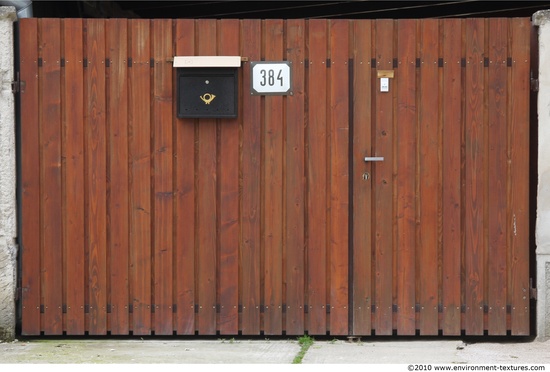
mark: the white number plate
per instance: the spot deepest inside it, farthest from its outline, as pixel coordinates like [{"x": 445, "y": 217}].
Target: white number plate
[{"x": 271, "y": 78}]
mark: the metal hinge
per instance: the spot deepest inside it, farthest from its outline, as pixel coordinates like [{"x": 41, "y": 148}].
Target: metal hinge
[
  {"x": 532, "y": 290},
  {"x": 535, "y": 85},
  {"x": 18, "y": 86}
]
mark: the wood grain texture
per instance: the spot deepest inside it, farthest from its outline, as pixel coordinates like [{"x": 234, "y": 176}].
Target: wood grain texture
[
  {"x": 383, "y": 185},
  {"x": 140, "y": 175},
  {"x": 162, "y": 227},
  {"x": 229, "y": 200},
  {"x": 185, "y": 204},
  {"x": 135, "y": 221},
  {"x": 406, "y": 136},
  {"x": 498, "y": 177},
  {"x": 30, "y": 180},
  {"x": 429, "y": 166},
  {"x": 95, "y": 175},
  {"x": 50, "y": 175},
  {"x": 73, "y": 153},
  {"x": 362, "y": 178},
  {"x": 206, "y": 199},
  {"x": 519, "y": 174},
  {"x": 251, "y": 195},
  {"x": 273, "y": 136},
  {"x": 317, "y": 180},
  {"x": 118, "y": 189},
  {"x": 474, "y": 177},
  {"x": 339, "y": 175},
  {"x": 452, "y": 202},
  {"x": 295, "y": 181}
]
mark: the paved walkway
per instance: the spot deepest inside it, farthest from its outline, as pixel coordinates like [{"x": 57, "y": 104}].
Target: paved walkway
[{"x": 271, "y": 351}]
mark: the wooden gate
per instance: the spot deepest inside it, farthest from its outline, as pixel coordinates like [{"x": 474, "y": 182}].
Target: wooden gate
[{"x": 136, "y": 222}]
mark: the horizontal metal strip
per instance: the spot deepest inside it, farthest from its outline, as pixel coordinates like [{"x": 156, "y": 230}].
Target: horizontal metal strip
[{"x": 284, "y": 308}]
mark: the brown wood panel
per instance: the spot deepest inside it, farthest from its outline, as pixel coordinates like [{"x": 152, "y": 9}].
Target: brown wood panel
[
  {"x": 498, "y": 176},
  {"x": 452, "y": 202},
  {"x": 519, "y": 37},
  {"x": 185, "y": 203},
  {"x": 162, "y": 114},
  {"x": 317, "y": 178},
  {"x": 206, "y": 199},
  {"x": 30, "y": 179},
  {"x": 140, "y": 175},
  {"x": 338, "y": 117},
  {"x": 249, "y": 271},
  {"x": 383, "y": 184},
  {"x": 429, "y": 188},
  {"x": 273, "y": 136},
  {"x": 220, "y": 217},
  {"x": 406, "y": 137},
  {"x": 118, "y": 173},
  {"x": 295, "y": 181},
  {"x": 95, "y": 176},
  {"x": 229, "y": 199},
  {"x": 362, "y": 178},
  {"x": 50, "y": 174},
  {"x": 474, "y": 177},
  {"x": 73, "y": 179}
]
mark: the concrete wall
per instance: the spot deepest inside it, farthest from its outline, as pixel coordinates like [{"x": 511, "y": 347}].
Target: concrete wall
[
  {"x": 8, "y": 209},
  {"x": 542, "y": 20}
]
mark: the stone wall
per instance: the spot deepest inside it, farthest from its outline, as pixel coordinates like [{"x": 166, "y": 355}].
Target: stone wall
[{"x": 8, "y": 209}]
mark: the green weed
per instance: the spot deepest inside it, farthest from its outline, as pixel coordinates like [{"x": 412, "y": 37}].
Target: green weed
[{"x": 305, "y": 343}]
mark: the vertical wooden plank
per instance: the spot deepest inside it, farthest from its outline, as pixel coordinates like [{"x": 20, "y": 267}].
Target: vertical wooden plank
[
  {"x": 383, "y": 184},
  {"x": 251, "y": 174},
  {"x": 339, "y": 175},
  {"x": 73, "y": 122},
  {"x": 118, "y": 198},
  {"x": 206, "y": 198},
  {"x": 362, "y": 181},
  {"x": 229, "y": 198},
  {"x": 429, "y": 166},
  {"x": 498, "y": 176},
  {"x": 185, "y": 223},
  {"x": 273, "y": 189},
  {"x": 451, "y": 103},
  {"x": 140, "y": 176},
  {"x": 50, "y": 148},
  {"x": 30, "y": 178},
  {"x": 162, "y": 169},
  {"x": 295, "y": 182},
  {"x": 96, "y": 183},
  {"x": 474, "y": 171},
  {"x": 406, "y": 175},
  {"x": 519, "y": 129},
  {"x": 317, "y": 178}
]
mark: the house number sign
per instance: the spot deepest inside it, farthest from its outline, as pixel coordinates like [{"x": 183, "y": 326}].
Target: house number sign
[{"x": 271, "y": 78}]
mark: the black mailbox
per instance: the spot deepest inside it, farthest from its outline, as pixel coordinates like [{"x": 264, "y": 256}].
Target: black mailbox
[{"x": 207, "y": 92}]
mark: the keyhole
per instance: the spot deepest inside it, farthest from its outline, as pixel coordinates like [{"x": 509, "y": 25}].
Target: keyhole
[{"x": 366, "y": 176}]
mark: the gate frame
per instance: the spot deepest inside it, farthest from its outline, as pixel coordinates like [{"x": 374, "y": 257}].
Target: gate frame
[{"x": 8, "y": 209}]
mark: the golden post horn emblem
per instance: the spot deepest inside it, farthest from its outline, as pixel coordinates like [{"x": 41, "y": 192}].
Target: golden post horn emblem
[{"x": 207, "y": 98}]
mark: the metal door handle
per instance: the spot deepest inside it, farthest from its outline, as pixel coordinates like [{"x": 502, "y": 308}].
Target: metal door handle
[{"x": 375, "y": 158}]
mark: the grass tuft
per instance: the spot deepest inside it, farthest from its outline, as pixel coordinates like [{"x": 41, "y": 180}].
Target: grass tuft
[{"x": 305, "y": 342}]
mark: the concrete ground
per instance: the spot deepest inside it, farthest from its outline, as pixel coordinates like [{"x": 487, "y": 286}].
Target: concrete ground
[{"x": 271, "y": 351}]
